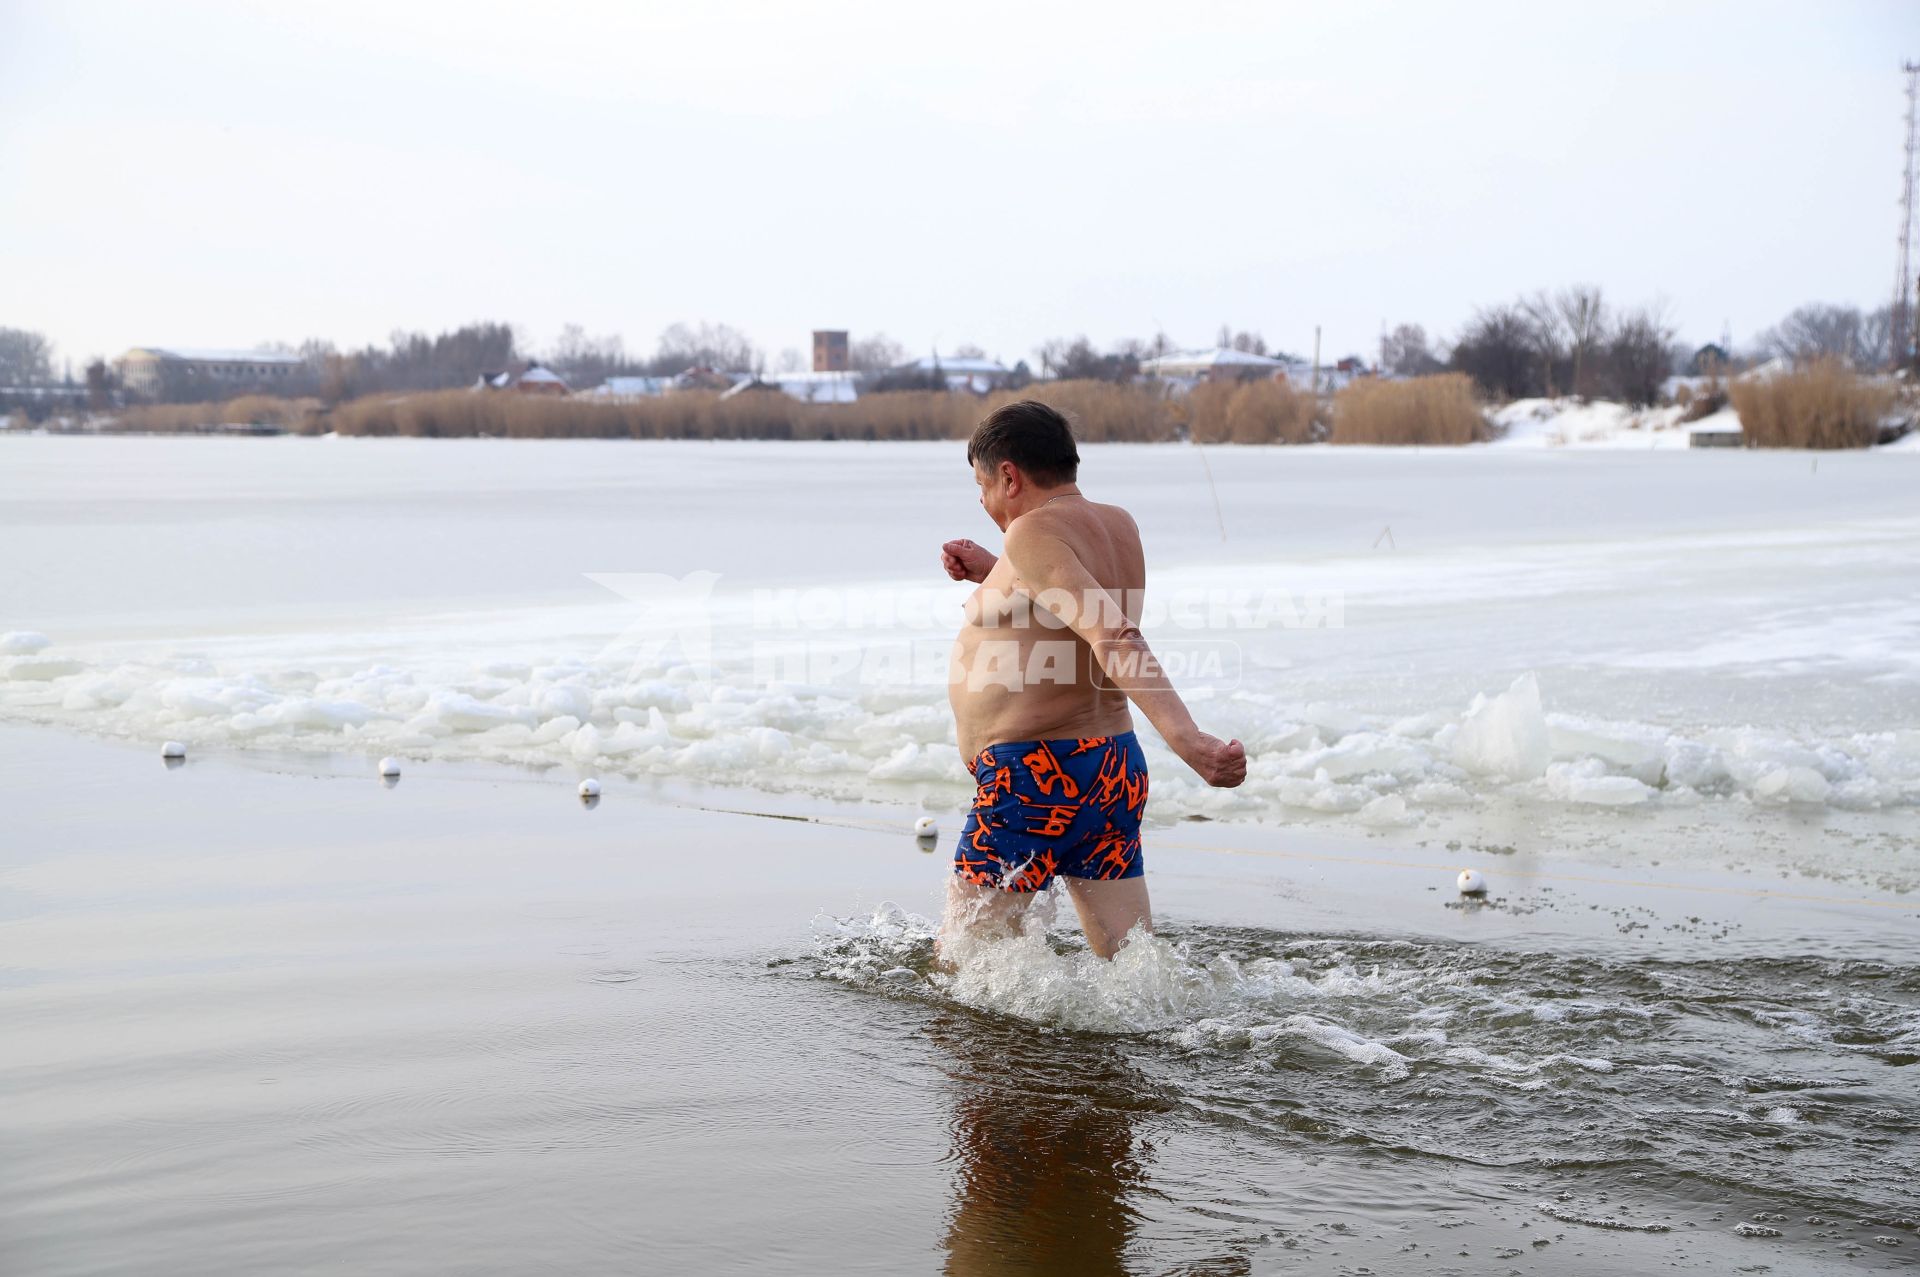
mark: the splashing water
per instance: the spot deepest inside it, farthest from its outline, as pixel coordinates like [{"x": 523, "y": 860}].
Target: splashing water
[
  {"x": 1153, "y": 983},
  {"x": 1755, "y": 1073}
]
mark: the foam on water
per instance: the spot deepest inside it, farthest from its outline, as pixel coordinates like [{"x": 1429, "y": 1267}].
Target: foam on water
[
  {"x": 1757, "y": 1072},
  {"x": 1151, "y": 984},
  {"x": 1261, "y": 1006}
]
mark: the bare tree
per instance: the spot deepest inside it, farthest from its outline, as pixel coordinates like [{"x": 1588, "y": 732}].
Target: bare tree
[
  {"x": 967, "y": 350},
  {"x": 1813, "y": 330},
  {"x": 1053, "y": 352},
  {"x": 877, "y": 353},
  {"x": 1404, "y": 352},
  {"x": 588, "y": 361},
  {"x": 1548, "y": 335},
  {"x": 1583, "y": 318},
  {"x": 1251, "y": 343},
  {"x": 1497, "y": 350},
  {"x": 1076, "y": 360},
  {"x": 26, "y": 357},
  {"x": 1819, "y": 329},
  {"x": 705, "y": 345},
  {"x": 1639, "y": 354},
  {"x": 790, "y": 361},
  {"x": 1873, "y": 348},
  {"x": 411, "y": 361}
]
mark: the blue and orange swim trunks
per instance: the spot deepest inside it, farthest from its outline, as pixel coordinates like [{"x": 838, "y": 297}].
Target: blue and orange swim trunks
[{"x": 1047, "y": 807}]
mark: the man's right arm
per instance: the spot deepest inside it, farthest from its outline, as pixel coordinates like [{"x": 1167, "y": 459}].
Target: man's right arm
[
  {"x": 1131, "y": 666},
  {"x": 1061, "y": 584}
]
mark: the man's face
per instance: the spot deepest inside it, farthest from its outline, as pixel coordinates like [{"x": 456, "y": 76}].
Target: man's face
[{"x": 993, "y": 491}]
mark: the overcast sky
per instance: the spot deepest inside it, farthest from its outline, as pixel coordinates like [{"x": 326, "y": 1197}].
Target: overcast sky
[{"x": 226, "y": 174}]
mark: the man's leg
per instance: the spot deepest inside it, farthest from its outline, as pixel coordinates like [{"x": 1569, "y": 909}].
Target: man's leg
[
  {"x": 980, "y": 909},
  {"x": 1109, "y": 909}
]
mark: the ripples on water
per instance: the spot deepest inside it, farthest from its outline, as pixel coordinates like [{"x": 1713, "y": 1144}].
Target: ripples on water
[{"x": 1764, "y": 1094}]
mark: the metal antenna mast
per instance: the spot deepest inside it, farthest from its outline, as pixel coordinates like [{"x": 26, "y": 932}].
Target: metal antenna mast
[{"x": 1903, "y": 283}]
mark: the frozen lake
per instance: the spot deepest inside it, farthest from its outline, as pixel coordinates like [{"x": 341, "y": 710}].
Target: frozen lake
[
  {"x": 259, "y": 993},
  {"x": 1701, "y": 655}
]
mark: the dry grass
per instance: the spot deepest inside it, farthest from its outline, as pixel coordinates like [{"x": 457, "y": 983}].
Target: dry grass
[
  {"x": 1251, "y": 412},
  {"x": 1822, "y": 405},
  {"x": 1255, "y": 412},
  {"x": 1421, "y": 410},
  {"x": 1709, "y": 398},
  {"x": 688, "y": 415},
  {"x": 1102, "y": 412},
  {"x": 299, "y": 415}
]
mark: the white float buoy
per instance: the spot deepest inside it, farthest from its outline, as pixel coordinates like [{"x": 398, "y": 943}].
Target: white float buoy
[
  {"x": 173, "y": 749},
  {"x": 589, "y": 788},
  {"x": 1471, "y": 883},
  {"x": 925, "y": 827},
  {"x": 389, "y": 766}
]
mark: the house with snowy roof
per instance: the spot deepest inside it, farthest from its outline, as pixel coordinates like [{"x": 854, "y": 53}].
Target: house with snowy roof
[
  {"x": 825, "y": 386},
  {"x": 627, "y": 389},
  {"x": 1186, "y": 369},
  {"x": 1222, "y": 363},
  {"x": 534, "y": 379},
  {"x": 962, "y": 372}
]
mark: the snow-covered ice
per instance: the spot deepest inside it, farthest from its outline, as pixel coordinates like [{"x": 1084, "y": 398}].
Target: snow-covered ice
[{"x": 1593, "y": 638}]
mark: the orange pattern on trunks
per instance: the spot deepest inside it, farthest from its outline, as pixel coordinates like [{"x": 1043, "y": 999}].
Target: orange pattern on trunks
[{"x": 1069, "y": 807}]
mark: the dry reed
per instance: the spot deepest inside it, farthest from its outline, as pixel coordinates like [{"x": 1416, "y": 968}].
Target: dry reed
[
  {"x": 1823, "y": 404},
  {"x": 1420, "y": 410},
  {"x": 1251, "y": 412}
]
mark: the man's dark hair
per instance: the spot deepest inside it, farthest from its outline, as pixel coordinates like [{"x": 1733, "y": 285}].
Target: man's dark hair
[{"x": 1032, "y": 436}]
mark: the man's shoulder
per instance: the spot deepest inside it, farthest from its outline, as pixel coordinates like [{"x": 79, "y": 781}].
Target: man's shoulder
[
  {"x": 1062, "y": 526},
  {"x": 1118, "y": 520}
]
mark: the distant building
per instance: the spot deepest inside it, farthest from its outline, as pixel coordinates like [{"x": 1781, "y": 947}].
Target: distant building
[
  {"x": 961, "y": 372},
  {"x": 830, "y": 351},
  {"x": 534, "y": 379},
  {"x": 148, "y": 370},
  {"x": 838, "y": 386},
  {"x": 1220, "y": 364},
  {"x": 1329, "y": 378},
  {"x": 1189, "y": 368},
  {"x": 621, "y": 389}
]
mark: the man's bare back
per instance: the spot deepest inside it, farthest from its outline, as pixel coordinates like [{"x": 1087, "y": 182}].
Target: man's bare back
[
  {"x": 1046, "y": 666},
  {"x": 1003, "y": 612}
]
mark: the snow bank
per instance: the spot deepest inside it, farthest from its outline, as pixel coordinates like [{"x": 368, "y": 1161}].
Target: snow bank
[{"x": 1568, "y": 423}]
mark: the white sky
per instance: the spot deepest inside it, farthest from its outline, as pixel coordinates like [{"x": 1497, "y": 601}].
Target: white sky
[{"x": 223, "y": 174}]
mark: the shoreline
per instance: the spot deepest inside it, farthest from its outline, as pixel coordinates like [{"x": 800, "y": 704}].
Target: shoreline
[
  {"x": 1333, "y": 878},
  {"x": 1655, "y": 440}
]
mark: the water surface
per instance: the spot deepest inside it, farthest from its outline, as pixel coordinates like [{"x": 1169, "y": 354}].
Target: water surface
[{"x": 271, "y": 1016}]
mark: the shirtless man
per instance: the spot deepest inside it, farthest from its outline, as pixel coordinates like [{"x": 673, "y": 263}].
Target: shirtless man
[{"x": 1042, "y": 672}]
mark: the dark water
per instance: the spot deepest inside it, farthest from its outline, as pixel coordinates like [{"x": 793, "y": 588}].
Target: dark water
[
  {"x": 264, "y": 1017},
  {"x": 1654, "y": 1097}
]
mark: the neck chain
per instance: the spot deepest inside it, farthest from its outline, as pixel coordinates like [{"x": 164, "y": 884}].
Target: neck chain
[{"x": 1050, "y": 500}]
